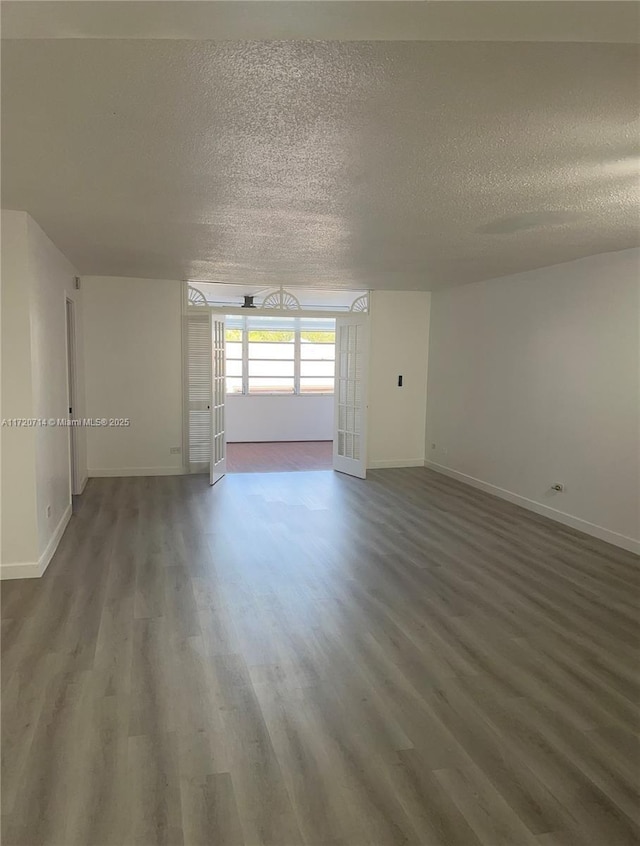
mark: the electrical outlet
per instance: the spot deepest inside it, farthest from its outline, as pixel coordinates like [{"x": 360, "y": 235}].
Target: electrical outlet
[
  {"x": 175, "y": 450},
  {"x": 48, "y": 511}
]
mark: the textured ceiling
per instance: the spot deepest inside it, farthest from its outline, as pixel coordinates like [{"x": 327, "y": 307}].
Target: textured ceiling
[
  {"x": 382, "y": 164},
  {"x": 322, "y": 20}
]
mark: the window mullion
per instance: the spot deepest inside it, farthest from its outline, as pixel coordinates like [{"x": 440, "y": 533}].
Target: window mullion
[
  {"x": 245, "y": 357},
  {"x": 296, "y": 357}
]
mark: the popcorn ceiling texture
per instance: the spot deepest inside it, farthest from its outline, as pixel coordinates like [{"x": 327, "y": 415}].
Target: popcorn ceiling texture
[{"x": 398, "y": 165}]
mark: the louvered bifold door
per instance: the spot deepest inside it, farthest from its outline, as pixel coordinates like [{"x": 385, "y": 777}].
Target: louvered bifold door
[
  {"x": 199, "y": 400},
  {"x": 218, "y": 465},
  {"x": 350, "y": 426}
]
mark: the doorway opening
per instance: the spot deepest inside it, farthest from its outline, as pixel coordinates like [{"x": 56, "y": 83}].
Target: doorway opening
[
  {"x": 289, "y": 370},
  {"x": 280, "y": 379}
]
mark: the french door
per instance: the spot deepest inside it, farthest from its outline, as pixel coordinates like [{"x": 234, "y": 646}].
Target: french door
[
  {"x": 218, "y": 463},
  {"x": 350, "y": 422},
  {"x": 198, "y": 374}
]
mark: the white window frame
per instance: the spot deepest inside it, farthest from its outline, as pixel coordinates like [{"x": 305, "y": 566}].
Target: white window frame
[{"x": 297, "y": 364}]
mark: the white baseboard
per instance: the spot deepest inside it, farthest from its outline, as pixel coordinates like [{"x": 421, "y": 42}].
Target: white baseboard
[
  {"x": 22, "y": 570},
  {"x": 51, "y": 547},
  {"x": 275, "y": 440},
  {"x": 395, "y": 462},
  {"x": 83, "y": 485},
  {"x": 630, "y": 544},
  {"x": 104, "y": 472},
  {"x": 35, "y": 569}
]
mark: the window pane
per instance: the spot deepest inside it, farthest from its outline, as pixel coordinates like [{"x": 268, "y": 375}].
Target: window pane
[
  {"x": 233, "y": 335},
  {"x": 263, "y": 350},
  {"x": 270, "y": 324},
  {"x": 271, "y": 336},
  {"x": 318, "y": 337},
  {"x": 234, "y": 368},
  {"x": 234, "y": 350},
  {"x": 270, "y": 386},
  {"x": 317, "y": 368},
  {"x": 270, "y": 368},
  {"x": 234, "y": 385},
  {"x": 319, "y": 352},
  {"x": 311, "y": 385}
]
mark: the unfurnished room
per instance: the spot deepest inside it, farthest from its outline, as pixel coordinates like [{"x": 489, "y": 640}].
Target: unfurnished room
[{"x": 320, "y": 401}]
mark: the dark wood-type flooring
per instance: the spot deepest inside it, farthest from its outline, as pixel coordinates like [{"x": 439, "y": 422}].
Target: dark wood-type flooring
[
  {"x": 279, "y": 456},
  {"x": 307, "y": 658}
]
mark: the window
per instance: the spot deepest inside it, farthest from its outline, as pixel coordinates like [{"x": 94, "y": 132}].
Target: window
[
  {"x": 234, "y": 360},
  {"x": 317, "y": 361},
  {"x": 280, "y": 355},
  {"x": 271, "y": 361}
]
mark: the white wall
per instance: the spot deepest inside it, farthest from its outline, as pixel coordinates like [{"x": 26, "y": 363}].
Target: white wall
[
  {"x": 273, "y": 418},
  {"x": 533, "y": 379},
  {"x": 133, "y": 361},
  {"x": 36, "y": 483},
  {"x": 19, "y": 520},
  {"x": 399, "y": 346}
]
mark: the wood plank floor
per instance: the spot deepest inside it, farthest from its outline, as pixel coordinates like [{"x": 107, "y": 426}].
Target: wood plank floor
[
  {"x": 279, "y": 456},
  {"x": 306, "y": 658}
]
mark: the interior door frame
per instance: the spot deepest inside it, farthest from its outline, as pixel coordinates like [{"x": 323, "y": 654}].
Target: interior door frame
[
  {"x": 221, "y": 311},
  {"x": 72, "y": 393}
]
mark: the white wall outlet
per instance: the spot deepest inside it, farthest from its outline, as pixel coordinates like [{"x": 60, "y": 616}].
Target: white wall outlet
[
  {"x": 48, "y": 511},
  {"x": 175, "y": 450}
]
